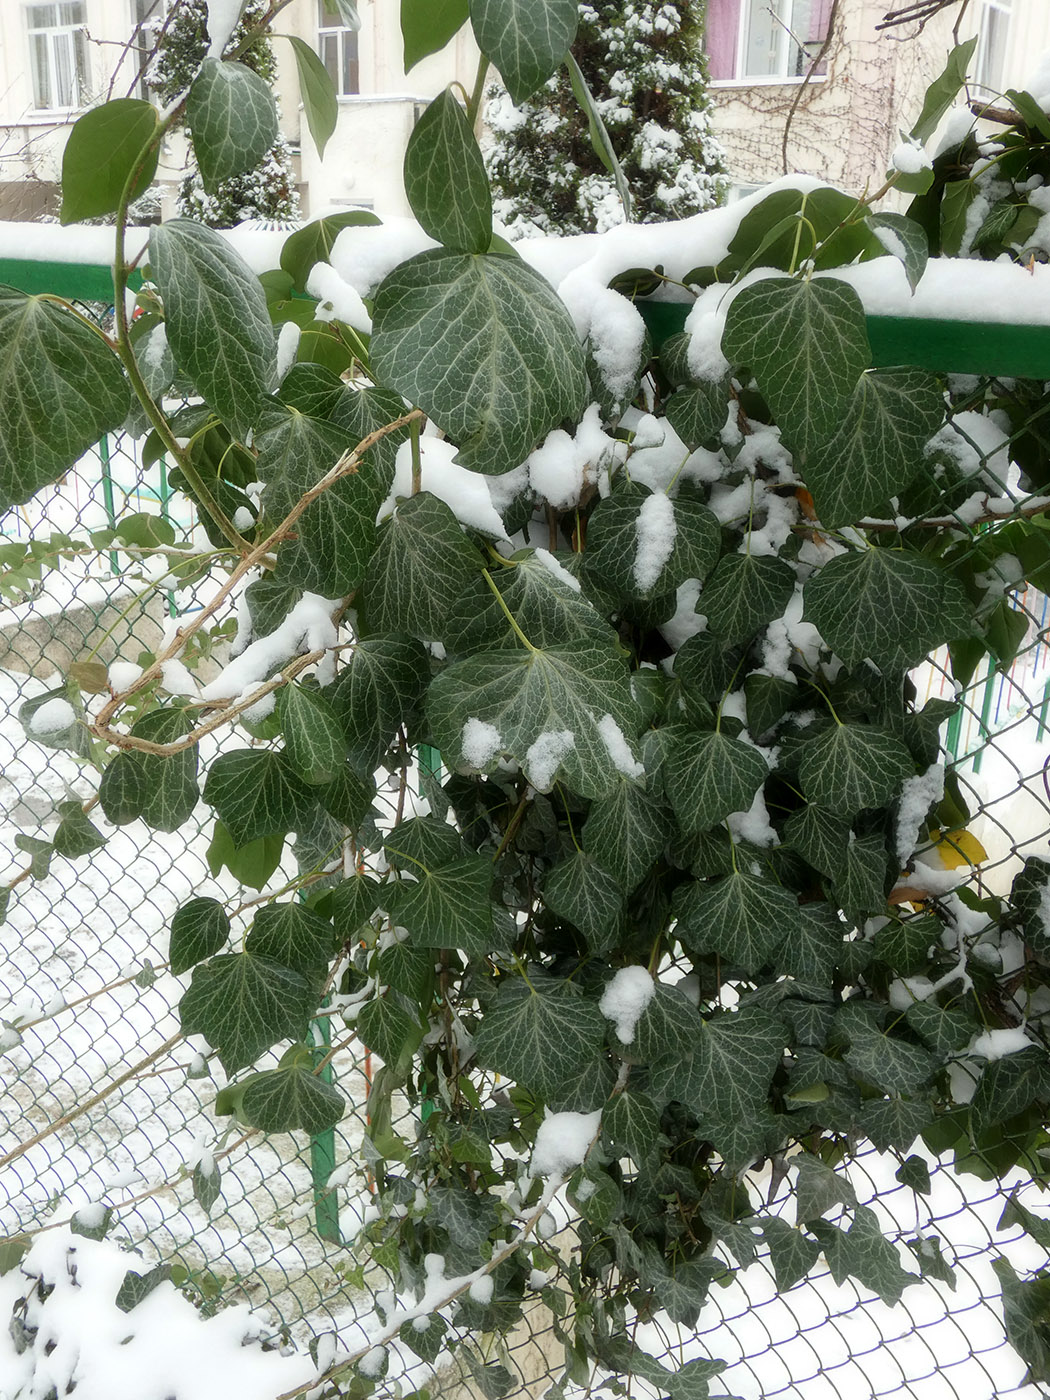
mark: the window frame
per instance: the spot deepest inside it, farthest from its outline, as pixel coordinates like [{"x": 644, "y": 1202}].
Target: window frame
[
  {"x": 1004, "y": 8},
  {"x": 348, "y": 84},
  {"x": 740, "y": 78},
  {"x": 71, "y": 36}
]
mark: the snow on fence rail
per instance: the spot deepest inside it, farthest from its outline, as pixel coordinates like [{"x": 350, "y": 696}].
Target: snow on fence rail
[{"x": 84, "y": 989}]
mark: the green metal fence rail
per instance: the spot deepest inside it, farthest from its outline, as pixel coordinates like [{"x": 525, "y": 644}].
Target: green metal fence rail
[{"x": 84, "y": 992}]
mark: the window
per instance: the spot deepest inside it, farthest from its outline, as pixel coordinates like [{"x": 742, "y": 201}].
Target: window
[
  {"x": 989, "y": 69},
  {"x": 770, "y": 40},
  {"x": 58, "y": 55},
  {"x": 337, "y": 46}
]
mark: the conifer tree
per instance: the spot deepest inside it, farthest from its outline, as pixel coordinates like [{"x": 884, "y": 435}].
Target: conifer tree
[
  {"x": 643, "y": 60},
  {"x": 268, "y": 192}
]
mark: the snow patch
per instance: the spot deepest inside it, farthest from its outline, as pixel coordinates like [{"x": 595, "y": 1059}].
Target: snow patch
[
  {"x": 544, "y": 755},
  {"x": 562, "y": 1142},
  {"x": 625, "y": 998},
  {"x": 657, "y": 531},
  {"x": 53, "y": 717},
  {"x": 480, "y": 742}
]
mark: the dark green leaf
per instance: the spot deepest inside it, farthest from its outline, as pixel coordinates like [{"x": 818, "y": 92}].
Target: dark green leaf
[
  {"x": 198, "y": 929},
  {"x": 1007, "y": 1086},
  {"x": 1037, "y": 1226},
  {"x": 421, "y": 564},
  {"x": 347, "y": 797},
  {"x": 76, "y": 835},
  {"x": 257, "y": 794},
  {"x": 904, "y": 239},
  {"x": 601, "y": 142},
  {"x": 725, "y": 1077},
  {"x": 642, "y": 544},
  {"x": 243, "y": 1004},
  {"x": 1026, "y": 1308},
  {"x": 698, "y": 412},
  {"x": 684, "y": 1290},
  {"x": 446, "y": 906},
  {"x": 61, "y": 388},
  {"x": 317, "y": 92},
  {"x": 890, "y": 1064},
  {"x": 930, "y": 1259},
  {"x": 745, "y": 592},
  {"x": 135, "y": 1287},
  {"x": 539, "y": 1037},
  {"x": 168, "y": 790},
  {"x": 812, "y": 949},
  {"x": 484, "y": 346},
  {"x": 792, "y": 1254},
  {"x": 428, "y": 25},
  {"x": 39, "y": 853},
  {"x": 864, "y": 1253},
  {"x": 423, "y": 841},
  {"x": 293, "y": 935},
  {"x": 904, "y": 944},
  {"x": 526, "y": 41},
  {"x": 632, "y": 1122},
  {"x": 669, "y": 1026},
  {"x": 445, "y": 178},
  {"x": 207, "y": 1186},
  {"x": 232, "y": 119},
  {"x": 711, "y": 776},
  {"x": 282, "y": 1100},
  {"x": 943, "y": 91},
  {"x": 218, "y": 325},
  {"x": 819, "y": 1188},
  {"x": 95, "y": 1231},
  {"x": 820, "y": 837},
  {"x": 380, "y": 689},
  {"x": 314, "y": 744},
  {"x": 915, "y": 1172},
  {"x": 103, "y": 150},
  {"x": 807, "y": 344},
  {"x": 388, "y": 1029},
  {"x": 860, "y": 880},
  {"x": 625, "y": 832},
  {"x": 741, "y": 917},
  {"x": 943, "y": 1029},
  {"x": 852, "y": 766},
  {"x": 583, "y": 892}
]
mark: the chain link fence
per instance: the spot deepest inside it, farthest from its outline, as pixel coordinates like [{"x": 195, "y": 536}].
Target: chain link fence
[{"x": 86, "y": 999}]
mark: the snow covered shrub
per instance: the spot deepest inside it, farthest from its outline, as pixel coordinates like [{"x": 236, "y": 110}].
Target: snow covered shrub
[
  {"x": 687, "y": 872},
  {"x": 644, "y": 65}
]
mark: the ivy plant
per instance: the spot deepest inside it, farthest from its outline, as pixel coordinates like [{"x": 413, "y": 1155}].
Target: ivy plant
[{"x": 670, "y": 908}]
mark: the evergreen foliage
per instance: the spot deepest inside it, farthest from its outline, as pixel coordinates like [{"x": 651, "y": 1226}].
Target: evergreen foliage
[
  {"x": 267, "y": 192},
  {"x": 644, "y": 63}
]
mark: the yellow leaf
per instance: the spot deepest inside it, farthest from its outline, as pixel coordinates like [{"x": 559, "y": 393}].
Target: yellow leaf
[{"x": 959, "y": 847}]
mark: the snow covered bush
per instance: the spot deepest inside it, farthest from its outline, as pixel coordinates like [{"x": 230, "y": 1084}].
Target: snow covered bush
[
  {"x": 643, "y": 63},
  {"x": 687, "y": 872}
]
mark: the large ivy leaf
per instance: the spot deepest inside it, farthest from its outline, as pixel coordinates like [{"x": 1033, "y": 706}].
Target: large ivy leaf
[
  {"x": 807, "y": 344},
  {"x": 641, "y": 555},
  {"x": 819, "y": 1188},
  {"x": 894, "y": 1122},
  {"x": 445, "y": 178},
  {"x": 820, "y": 837},
  {"x": 525, "y": 39},
  {"x": 562, "y": 713},
  {"x": 545, "y": 605},
  {"x": 887, "y": 1062},
  {"x": 293, "y": 935},
  {"x": 741, "y": 917},
  {"x": 100, "y": 155},
  {"x": 446, "y": 906},
  {"x": 669, "y": 1026},
  {"x": 853, "y": 766},
  {"x": 889, "y": 605},
  {"x": 422, "y": 563},
  {"x": 243, "y": 1004},
  {"x": 423, "y": 841},
  {"x": 711, "y": 776},
  {"x": 811, "y": 951},
  {"x": 161, "y": 790},
  {"x": 389, "y": 1030},
  {"x": 380, "y": 689},
  {"x": 633, "y": 1122},
  {"x": 876, "y": 449},
  {"x": 485, "y": 347},
  {"x": 198, "y": 929},
  {"x": 428, "y": 25},
  {"x": 215, "y": 313},
  {"x": 744, "y": 593},
  {"x": 539, "y": 1036},
  {"x": 232, "y": 119},
  {"x": 626, "y": 831},
  {"x": 582, "y": 891},
  {"x": 257, "y": 794},
  {"x": 791, "y": 1252},
  {"x": 61, "y": 388},
  {"x": 863, "y": 1252},
  {"x": 314, "y": 742},
  {"x": 725, "y": 1076},
  {"x": 283, "y": 1100},
  {"x": 860, "y": 880},
  {"x": 1007, "y": 1086}
]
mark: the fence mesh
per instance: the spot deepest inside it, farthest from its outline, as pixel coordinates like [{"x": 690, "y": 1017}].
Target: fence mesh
[{"x": 86, "y": 996}]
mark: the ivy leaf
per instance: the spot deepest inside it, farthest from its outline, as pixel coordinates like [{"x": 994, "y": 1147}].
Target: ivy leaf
[
  {"x": 632, "y": 1121},
  {"x": 725, "y": 1076},
  {"x": 893, "y": 1065},
  {"x": 742, "y": 918},
  {"x": 93, "y": 1231},
  {"x": 282, "y": 1100},
  {"x": 807, "y": 344},
  {"x": 257, "y": 794},
  {"x": 423, "y": 841},
  {"x": 39, "y": 853},
  {"x": 745, "y": 592},
  {"x": 710, "y": 777},
  {"x": 684, "y": 1289},
  {"x": 378, "y": 691},
  {"x": 889, "y": 605},
  {"x": 101, "y": 153},
  {"x": 218, "y": 326},
  {"x": 811, "y": 951},
  {"x": 931, "y": 1260},
  {"x": 864, "y": 1253},
  {"x": 61, "y": 388},
  {"x": 232, "y": 118},
  {"x": 1007, "y": 1087},
  {"x": 543, "y": 604},
  {"x": 562, "y": 713},
  {"x": 135, "y": 1287},
  {"x": 389, "y": 1030},
  {"x": 207, "y": 1186},
  {"x": 445, "y": 178},
  {"x": 819, "y": 836},
  {"x": 293, "y": 935},
  {"x": 314, "y": 744},
  {"x": 406, "y": 969},
  {"x": 852, "y": 766},
  {"x": 669, "y": 1026},
  {"x": 894, "y": 1122},
  {"x": 945, "y": 1029},
  {"x": 626, "y": 831},
  {"x": 447, "y": 906},
  {"x": 584, "y": 893},
  {"x": 1014, "y": 1213},
  {"x": 314, "y": 243},
  {"x": 484, "y": 346},
  {"x": 251, "y": 864},
  {"x": 905, "y": 239},
  {"x": 243, "y": 1004},
  {"x": 317, "y": 92},
  {"x": 347, "y": 798},
  {"x": 428, "y": 25},
  {"x": 1026, "y": 1306},
  {"x": 944, "y": 89},
  {"x": 160, "y": 789},
  {"x": 819, "y": 1188},
  {"x": 618, "y": 545},
  {"x": 791, "y": 1252},
  {"x": 76, "y": 835},
  {"x": 526, "y": 41},
  {"x": 198, "y": 929},
  {"x": 422, "y": 563},
  {"x": 860, "y": 882},
  {"x": 539, "y": 1036},
  {"x": 428, "y": 1343},
  {"x": 698, "y": 412},
  {"x": 876, "y": 448}
]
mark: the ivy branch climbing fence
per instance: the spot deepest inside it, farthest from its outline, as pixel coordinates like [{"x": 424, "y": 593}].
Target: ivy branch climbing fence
[{"x": 287, "y": 1222}]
